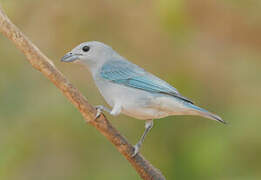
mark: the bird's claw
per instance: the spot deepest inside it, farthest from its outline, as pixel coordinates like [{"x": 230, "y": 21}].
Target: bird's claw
[
  {"x": 136, "y": 149},
  {"x": 99, "y": 110}
]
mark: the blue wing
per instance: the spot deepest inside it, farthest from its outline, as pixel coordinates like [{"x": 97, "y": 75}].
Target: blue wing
[{"x": 131, "y": 75}]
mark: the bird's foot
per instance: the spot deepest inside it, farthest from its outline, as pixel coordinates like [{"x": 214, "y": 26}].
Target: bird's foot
[
  {"x": 100, "y": 109},
  {"x": 148, "y": 126},
  {"x": 136, "y": 149}
]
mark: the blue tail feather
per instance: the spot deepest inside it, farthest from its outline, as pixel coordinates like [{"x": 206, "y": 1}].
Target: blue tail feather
[{"x": 205, "y": 113}]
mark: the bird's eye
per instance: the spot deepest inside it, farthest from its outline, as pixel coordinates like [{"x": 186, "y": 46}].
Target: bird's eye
[{"x": 86, "y": 48}]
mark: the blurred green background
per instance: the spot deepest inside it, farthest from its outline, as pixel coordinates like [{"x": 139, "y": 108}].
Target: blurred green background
[{"x": 209, "y": 50}]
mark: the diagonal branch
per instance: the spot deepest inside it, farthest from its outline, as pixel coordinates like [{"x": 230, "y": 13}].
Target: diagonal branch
[{"x": 40, "y": 62}]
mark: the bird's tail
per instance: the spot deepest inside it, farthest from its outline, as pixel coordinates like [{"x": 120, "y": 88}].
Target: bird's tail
[{"x": 195, "y": 110}]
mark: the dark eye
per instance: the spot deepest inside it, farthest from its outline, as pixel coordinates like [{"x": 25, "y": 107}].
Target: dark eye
[{"x": 86, "y": 48}]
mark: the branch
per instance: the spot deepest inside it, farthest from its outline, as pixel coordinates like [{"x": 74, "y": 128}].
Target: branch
[{"x": 42, "y": 63}]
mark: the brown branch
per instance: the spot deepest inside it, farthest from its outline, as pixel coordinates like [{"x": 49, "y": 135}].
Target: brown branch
[{"x": 40, "y": 62}]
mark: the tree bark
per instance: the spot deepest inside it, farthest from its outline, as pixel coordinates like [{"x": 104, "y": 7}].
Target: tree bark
[{"x": 42, "y": 63}]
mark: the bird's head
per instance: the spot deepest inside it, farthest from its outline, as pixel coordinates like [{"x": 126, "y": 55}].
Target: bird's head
[{"x": 89, "y": 53}]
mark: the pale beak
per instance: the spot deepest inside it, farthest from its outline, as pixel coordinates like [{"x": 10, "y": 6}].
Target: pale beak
[{"x": 70, "y": 57}]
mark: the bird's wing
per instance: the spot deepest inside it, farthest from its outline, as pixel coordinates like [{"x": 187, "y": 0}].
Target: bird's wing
[{"x": 131, "y": 75}]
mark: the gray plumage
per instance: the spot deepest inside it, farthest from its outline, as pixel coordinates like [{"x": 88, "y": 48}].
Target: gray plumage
[{"x": 131, "y": 90}]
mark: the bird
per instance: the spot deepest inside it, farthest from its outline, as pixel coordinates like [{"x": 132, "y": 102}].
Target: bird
[{"x": 129, "y": 89}]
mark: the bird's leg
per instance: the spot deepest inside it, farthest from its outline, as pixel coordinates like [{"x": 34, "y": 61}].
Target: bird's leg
[
  {"x": 116, "y": 110},
  {"x": 148, "y": 126}
]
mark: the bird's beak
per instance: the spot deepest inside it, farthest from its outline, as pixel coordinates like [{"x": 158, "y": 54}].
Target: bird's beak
[{"x": 70, "y": 57}]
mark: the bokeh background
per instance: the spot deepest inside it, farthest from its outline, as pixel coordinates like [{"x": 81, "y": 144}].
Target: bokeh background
[{"x": 209, "y": 50}]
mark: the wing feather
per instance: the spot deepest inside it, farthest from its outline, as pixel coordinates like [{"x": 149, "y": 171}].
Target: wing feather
[{"x": 131, "y": 75}]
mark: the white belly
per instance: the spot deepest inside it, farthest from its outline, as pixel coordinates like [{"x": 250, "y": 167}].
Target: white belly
[{"x": 138, "y": 103}]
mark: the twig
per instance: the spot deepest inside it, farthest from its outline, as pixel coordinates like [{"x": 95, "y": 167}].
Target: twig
[{"x": 42, "y": 63}]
